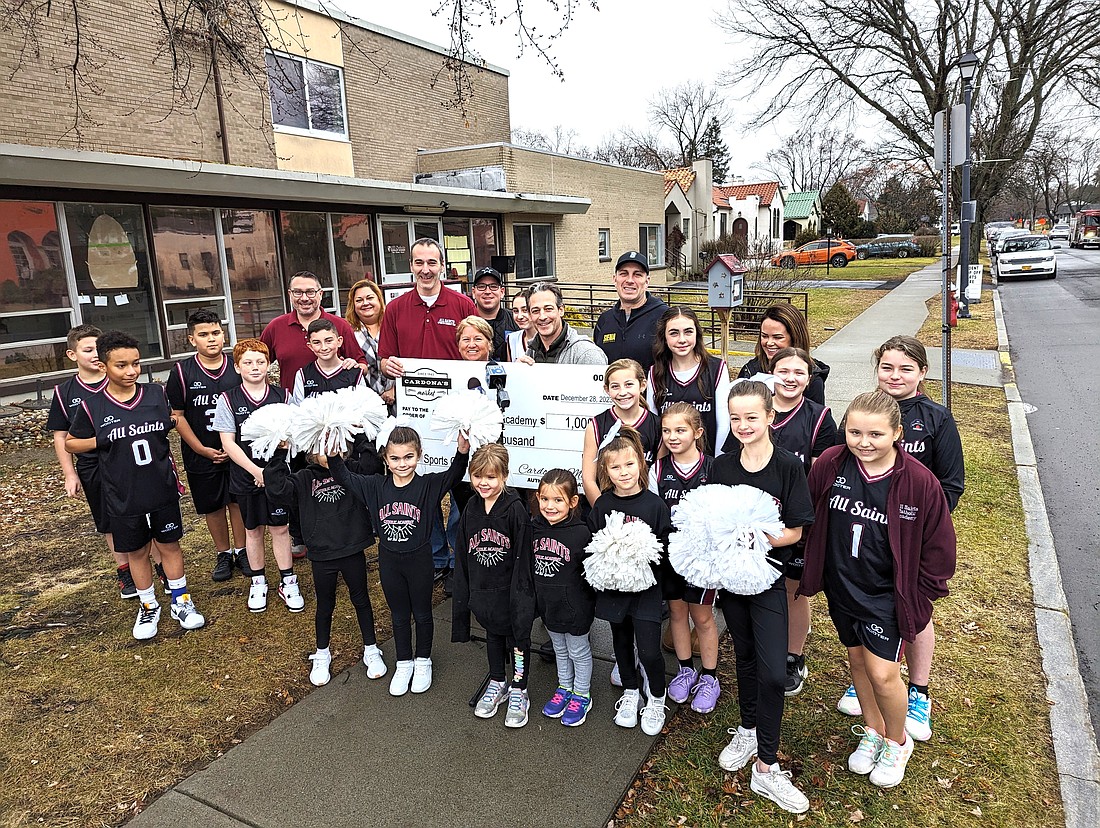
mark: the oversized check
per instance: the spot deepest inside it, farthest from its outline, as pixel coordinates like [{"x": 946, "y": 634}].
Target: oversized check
[{"x": 544, "y": 425}]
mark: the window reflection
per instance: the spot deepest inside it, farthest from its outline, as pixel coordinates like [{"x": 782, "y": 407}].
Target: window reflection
[{"x": 253, "y": 264}]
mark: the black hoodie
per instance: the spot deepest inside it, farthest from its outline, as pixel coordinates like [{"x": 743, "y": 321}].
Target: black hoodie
[
  {"x": 563, "y": 598},
  {"x": 492, "y": 574},
  {"x": 630, "y": 337}
]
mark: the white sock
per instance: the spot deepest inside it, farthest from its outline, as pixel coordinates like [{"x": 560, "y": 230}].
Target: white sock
[
  {"x": 147, "y": 596},
  {"x": 259, "y": 579}
]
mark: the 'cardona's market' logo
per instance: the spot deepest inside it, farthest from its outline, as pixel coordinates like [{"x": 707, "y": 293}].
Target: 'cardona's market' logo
[{"x": 426, "y": 384}]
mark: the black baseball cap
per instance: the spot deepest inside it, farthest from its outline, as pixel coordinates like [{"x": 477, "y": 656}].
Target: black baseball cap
[
  {"x": 491, "y": 273},
  {"x": 633, "y": 256}
]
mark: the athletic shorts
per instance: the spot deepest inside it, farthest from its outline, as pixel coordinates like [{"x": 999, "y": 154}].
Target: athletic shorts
[
  {"x": 131, "y": 534},
  {"x": 882, "y": 637},
  {"x": 257, "y": 510},
  {"x": 210, "y": 490},
  {"x": 793, "y": 568},
  {"x": 697, "y": 595},
  {"x": 93, "y": 492}
]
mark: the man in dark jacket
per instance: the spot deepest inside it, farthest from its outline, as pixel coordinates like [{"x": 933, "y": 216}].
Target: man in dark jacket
[
  {"x": 488, "y": 294},
  {"x": 626, "y": 330}
]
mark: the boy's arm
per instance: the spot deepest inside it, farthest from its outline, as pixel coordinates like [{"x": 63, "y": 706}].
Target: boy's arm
[
  {"x": 65, "y": 460},
  {"x": 188, "y": 435},
  {"x": 299, "y": 392},
  {"x": 238, "y": 456},
  {"x": 81, "y": 436}
]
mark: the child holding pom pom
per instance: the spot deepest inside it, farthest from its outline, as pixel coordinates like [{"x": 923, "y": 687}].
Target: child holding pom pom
[
  {"x": 635, "y": 616},
  {"x": 758, "y": 623}
]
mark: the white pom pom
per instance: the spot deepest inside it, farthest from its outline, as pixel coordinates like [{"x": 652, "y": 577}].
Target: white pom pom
[
  {"x": 472, "y": 413},
  {"x": 720, "y": 539},
  {"x": 327, "y": 423},
  {"x": 267, "y": 427},
  {"x": 386, "y": 429},
  {"x": 620, "y": 554}
]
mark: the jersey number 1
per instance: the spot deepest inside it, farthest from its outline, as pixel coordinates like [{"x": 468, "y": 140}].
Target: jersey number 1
[
  {"x": 857, "y": 538},
  {"x": 143, "y": 455}
]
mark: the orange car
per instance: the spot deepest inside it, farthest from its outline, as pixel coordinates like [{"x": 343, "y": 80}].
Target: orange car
[{"x": 837, "y": 251}]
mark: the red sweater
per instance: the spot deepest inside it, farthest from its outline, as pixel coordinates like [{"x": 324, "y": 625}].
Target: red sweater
[
  {"x": 412, "y": 330},
  {"x": 922, "y": 536}
]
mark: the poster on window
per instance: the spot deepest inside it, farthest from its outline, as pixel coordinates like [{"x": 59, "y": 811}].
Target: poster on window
[{"x": 550, "y": 406}]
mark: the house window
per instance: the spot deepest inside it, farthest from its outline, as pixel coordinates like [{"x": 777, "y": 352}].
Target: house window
[
  {"x": 604, "y": 235},
  {"x": 687, "y": 227},
  {"x": 649, "y": 240},
  {"x": 721, "y": 225},
  {"x": 534, "y": 245},
  {"x": 306, "y": 97}
]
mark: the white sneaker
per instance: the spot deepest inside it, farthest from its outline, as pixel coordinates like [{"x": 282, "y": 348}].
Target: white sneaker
[
  {"x": 653, "y": 715},
  {"x": 372, "y": 657},
  {"x": 495, "y": 694},
  {"x": 626, "y": 709},
  {"x": 863, "y": 758},
  {"x": 319, "y": 675},
  {"x": 257, "y": 595},
  {"x": 918, "y": 716},
  {"x": 402, "y": 675},
  {"x": 148, "y": 616},
  {"x": 740, "y": 750},
  {"x": 890, "y": 769},
  {"x": 849, "y": 703},
  {"x": 422, "y": 675},
  {"x": 616, "y": 679},
  {"x": 183, "y": 610},
  {"x": 776, "y": 785},
  {"x": 518, "y": 705},
  {"x": 291, "y": 594}
]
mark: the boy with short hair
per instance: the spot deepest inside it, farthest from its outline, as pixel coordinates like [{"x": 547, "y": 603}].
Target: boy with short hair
[
  {"x": 194, "y": 386},
  {"x": 326, "y": 372},
  {"x": 127, "y": 425},
  {"x": 251, "y": 358}
]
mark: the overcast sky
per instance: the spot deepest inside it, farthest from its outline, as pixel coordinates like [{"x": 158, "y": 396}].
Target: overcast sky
[{"x": 614, "y": 60}]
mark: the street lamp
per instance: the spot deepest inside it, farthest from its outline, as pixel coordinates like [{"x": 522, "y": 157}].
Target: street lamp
[{"x": 968, "y": 67}]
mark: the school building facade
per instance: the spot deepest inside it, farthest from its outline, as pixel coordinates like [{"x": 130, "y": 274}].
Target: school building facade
[{"x": 132, "y": 207}]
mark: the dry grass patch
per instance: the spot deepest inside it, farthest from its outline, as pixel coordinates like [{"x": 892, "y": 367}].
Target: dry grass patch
[
  {"x": 831, "y": 309},
  {"x": 978, "y": 332}
]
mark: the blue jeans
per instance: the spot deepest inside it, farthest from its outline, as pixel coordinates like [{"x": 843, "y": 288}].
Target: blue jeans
[{"x": 444, "y": 543}]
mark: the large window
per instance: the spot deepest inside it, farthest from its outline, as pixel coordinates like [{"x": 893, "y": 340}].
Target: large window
[
  {"x": 252, "y": 263},
  {"x": 306, "y": 247},
  {"x": 306, "y": 97},
  {"x": 353, "y": 248},
  {"x": 651, "y": 243},
  {"x": 484, "y": 231},
  {"x": 534, "y": 245},
  {"x": 398, "y": 234}
]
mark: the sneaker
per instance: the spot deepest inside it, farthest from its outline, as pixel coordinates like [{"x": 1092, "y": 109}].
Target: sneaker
[
  {"x": 626, "y": 709},
  {"x": 257, "y": 595},
  {"x": 240, "y": 560},
  {"x": 557, "y": 704},
  {"x": 739, "y": 751},
  {"x": 849, "y": 703},
  {"x": 653, "y": 715},
  {"x": 422, "y": 675},
  {"x": 918, "y": 719},
  {"x": 890, "y": 768},
  {"x": 518, "y": 705},
  {"x": 866, "y": 754},
  {"x": 776, "y": 785},
  {"x": 493, "y": 697},
  {"x": 298, "y": 551},
  {"x": 148, "y": 616},
  {"x": 372, "y": 658},
  {"x": 319, "y": 675},
  {"x": 796, "y": 676},
  {"x": 616, "y": 679},
  {"x": 402, "y": 675},
  {"x": 291, "y": 594},
  {"x": 679, "y": 689},
  {"x": 223, "y": 567},
  {"x": 576, "y": 711},
  {"x": 705, "y": 698},
  {"x": 183, "y": 610},
  {"x": 126, "y": 587}
]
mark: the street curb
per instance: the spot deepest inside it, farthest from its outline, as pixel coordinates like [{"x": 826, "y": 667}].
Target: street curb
[{"x": 1075, "y": 749}]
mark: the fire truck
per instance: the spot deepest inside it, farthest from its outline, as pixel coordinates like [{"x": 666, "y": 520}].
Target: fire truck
[{"x": 1084, "y": 229}]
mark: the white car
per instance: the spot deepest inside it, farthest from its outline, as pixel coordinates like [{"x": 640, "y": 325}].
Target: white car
[
  {"x": 997, "y": 243},
  {"x": 1059, "y": 231},
  {"x": 1027, "y": 256}
]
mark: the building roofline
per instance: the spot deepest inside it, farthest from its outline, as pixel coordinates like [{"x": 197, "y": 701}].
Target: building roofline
[{"x": 502, "y": 144}]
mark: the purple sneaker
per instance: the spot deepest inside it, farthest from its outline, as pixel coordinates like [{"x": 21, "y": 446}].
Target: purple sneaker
[
  {"x": 706, "y": 695},
  {"x": 577, "y": 711},
  {"x": 557, "y": 704},
  {"x": 679, "y": 689}
]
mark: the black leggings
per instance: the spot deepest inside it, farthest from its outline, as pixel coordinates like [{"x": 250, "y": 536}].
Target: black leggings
[
  {"x": 502, "y": 648},
  {"x": 325, "y": 575},
  {"x": 407, "y": 585},
  {"x": 647, "y": 634},
  {"x": 758, "y": 626}
]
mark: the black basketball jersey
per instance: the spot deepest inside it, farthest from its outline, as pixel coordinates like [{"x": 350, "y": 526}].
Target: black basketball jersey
[
  {"x": 194, "y": 390},
  {"x": 67, "y": 398},
  {"x": 135, "y": 460},
  {"x": 859, "y": 567},
  {"x": 648, "y": 427},
  {"x": 241, "y": 405},
  {"x": 806, "y": 430},
  {"x": 311, "y": 380},
  {"x": 703, "y": 401},
  {"x": 673, "y": 484}
]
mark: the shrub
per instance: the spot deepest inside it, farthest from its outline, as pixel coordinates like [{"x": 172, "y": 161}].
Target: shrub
[{"x": 805, "y": 237}]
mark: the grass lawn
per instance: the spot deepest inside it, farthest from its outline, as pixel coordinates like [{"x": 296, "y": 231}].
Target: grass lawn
[
  {"x": 990, "y": 760},
  {"x": 831, "y": 309}
]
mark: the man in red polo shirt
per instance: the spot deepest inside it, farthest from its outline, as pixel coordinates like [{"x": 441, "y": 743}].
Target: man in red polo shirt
[
  {"x": 286, "y": 335},
  {"x": 421, "y": 324}
]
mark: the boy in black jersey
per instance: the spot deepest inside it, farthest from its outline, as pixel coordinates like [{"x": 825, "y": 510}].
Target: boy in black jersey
[
  {"x": 127, "y": 425},
  {"x": 194, "y": 386},
  {"x": 326, "y": 373}
]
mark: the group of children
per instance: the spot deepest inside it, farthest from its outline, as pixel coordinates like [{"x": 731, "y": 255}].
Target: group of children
[{"x": 864, "y": 522}]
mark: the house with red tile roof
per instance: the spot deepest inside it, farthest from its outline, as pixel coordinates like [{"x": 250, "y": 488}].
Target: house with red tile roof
[
  {"x": 752, "y": 212},
  {"x": 687, "y": 206}
]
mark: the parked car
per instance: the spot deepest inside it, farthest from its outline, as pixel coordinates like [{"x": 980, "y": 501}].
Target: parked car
[
  {"x": 1027, "y": 256},
  {"x": 997, "y": 243},
  {"x": 993, "y": 227},
  {"x": 955, "y": 229},
  {"x": 894, "y": 246},
  {"x": 837, "y": 251},
  {"x": 1059, "y": 231}
]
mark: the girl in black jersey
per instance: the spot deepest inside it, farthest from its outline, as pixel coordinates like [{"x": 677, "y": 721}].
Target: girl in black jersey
[
  {"x": 686, "y": 467},
  {"x": 684, "y": 371},
  {"x": 624, "y": 382}
]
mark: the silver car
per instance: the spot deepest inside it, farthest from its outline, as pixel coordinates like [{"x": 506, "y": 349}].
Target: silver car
[{"x": 1022, "y": 256}]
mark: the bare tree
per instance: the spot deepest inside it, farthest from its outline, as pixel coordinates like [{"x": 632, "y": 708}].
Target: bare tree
[
  {"x": 684, "y": 113},
  {"x": 559, "y": 139},
  {"x": 816, "y": 158},
  {"x": 635, "y": 148}
]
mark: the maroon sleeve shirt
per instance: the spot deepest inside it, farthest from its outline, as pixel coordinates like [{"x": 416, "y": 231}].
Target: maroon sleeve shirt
[
  {"x": 412, "y": 330},
  {"x": 286, "y": 338}
]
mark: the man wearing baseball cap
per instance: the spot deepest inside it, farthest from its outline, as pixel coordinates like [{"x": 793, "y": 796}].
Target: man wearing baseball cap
[
  {"x": 626, "y": 330},
  {"x": 488, "y": 292}
]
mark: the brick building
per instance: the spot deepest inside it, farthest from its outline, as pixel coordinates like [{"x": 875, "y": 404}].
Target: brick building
[{"x": 141, "y": 194}]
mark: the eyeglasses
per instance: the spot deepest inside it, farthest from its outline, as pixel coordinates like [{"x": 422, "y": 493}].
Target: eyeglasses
[
  {"x": 310, "y": 292},
  {"x": 485, "y": 287}
]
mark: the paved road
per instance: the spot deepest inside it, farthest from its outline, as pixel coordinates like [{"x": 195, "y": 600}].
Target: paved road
[{"x": 1054, "y": 334}]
